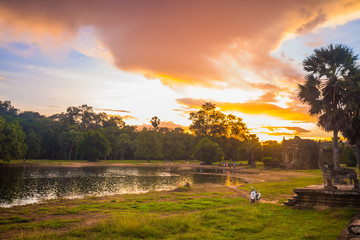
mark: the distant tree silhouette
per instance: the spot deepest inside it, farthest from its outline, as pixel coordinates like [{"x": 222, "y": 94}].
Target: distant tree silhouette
[
  {"x": 7, "y": 109},
  {"x": 155, "y": 121},
  {"x": 209, "y": 122}
]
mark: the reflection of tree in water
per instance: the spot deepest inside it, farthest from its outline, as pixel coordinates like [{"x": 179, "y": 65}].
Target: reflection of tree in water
[
  {"x": 20, "y": 185},
  {"x": 233, "y": 181}
]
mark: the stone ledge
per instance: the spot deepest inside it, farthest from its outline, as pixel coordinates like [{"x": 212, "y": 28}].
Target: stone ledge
[{"x": 314, "y": 196}]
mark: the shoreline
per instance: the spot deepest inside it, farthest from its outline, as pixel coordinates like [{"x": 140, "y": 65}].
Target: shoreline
[
  {"x": 96, "y": 217},
  {"x": 116, "y": 164}
]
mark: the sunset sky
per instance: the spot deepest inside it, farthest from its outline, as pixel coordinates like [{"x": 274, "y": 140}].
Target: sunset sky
[{"x": 166, "y": 58}]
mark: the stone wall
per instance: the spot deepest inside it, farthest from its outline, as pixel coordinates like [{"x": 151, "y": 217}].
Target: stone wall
[{"x": 316, "y": 196}]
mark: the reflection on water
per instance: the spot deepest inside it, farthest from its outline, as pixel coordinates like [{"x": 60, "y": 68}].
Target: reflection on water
[{"x": 23, "y": 185}]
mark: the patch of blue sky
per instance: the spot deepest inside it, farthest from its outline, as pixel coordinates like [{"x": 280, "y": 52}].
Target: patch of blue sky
[
  {"x": 27, "y": 58},
  {"x": 299, "y": 47},
  {"x": 346, "y": 34},
  {"x": 9, "y": 61}
]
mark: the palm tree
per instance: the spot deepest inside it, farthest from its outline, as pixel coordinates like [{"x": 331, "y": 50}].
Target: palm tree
[
  {"x": 155, "y": 121},
  {"x": 328, "y": 70}
]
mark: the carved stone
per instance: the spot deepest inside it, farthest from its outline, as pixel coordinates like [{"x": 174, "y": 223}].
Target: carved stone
[
  {"x": 299, "y": 153},
  {"x": 316, "y": 196},
  {"x": 330, "y": 174}
]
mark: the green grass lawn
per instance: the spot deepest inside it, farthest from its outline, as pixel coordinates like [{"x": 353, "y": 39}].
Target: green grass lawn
[
  {"x": 281, "y": 190},
  {"x": 188, "y": 213},
  {"x": 237, "y": 221}
]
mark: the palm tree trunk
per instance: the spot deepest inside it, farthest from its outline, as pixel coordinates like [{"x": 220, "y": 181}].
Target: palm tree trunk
[
  {"x": 253, "y": 164},
  {"x": 336, "y": 152},
  {"x": 70, "y": 152},
  {"x": 358, "y": 155}
]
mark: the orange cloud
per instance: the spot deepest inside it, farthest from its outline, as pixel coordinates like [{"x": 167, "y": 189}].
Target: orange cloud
[
  {"x": 180, "y": 42},
  {"x": 53, "y": 106},
  {"x": 170, "y": 124},
  {"x": 279, "y": 134},
  {"x": 267, "y": 109},
  {"x": 254, "y": 107},
  {"x": 163, "y": 124},
  {"x": 313, "y": 23},
  {"x": 129, "y": 117},
  {"x": 113, "y": 110},
  {"x": 297, "y": 130},
  {"x": 268, "y": 97}
]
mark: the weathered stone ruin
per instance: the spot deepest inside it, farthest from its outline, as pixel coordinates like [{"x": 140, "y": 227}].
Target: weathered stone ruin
[
  {"x": 331, "y": 174},
  {"x": 299, "y": 153},
  {"x": 318, "y": 196},
  {"x": 352, "y": 230},
  {"x": 296, "y": 153},
  {"x": 340, "y": 188}
]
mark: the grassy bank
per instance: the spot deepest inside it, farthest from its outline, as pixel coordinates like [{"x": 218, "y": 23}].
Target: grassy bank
[{"x": 200, "y": 212}]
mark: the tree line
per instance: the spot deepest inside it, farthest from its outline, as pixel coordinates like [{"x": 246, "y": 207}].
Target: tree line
[{"x": 81, "y": 133}]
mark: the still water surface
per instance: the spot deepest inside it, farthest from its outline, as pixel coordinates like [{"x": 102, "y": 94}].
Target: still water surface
[{"x": 24, "y": 185}]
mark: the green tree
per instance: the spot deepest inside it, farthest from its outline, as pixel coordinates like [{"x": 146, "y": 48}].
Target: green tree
[
  {"x": 94, "y": 146},
  {"x": 124, "y": 144},
  {"x": 236, "y": 128},
  {"x": 33, "y": 143},
  {"x": 209, "y": 122},
  {"x": 12, "y": 139},
  {"x": 112, "y": 128},
  {"x": 149, "y": 145},
  {"x": 7, "y": 109},
  {"x": 252, "y": 146},
  {"x": 327, "y": 71},
  {"x": 85, "y": 117},
  {"x": 113, "y": 122},
  {"x": 230, "y": 147},
  {"x": 69, "y": 141},
  {"x": 272, "y": 149},
  {"x": 2, "y": 137},
  {"x": 173, "y": 144},
  {"x": 208, "y": 151}
]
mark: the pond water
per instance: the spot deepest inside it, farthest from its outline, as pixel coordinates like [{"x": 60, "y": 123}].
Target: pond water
[{"x": 24, "y": 185}]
